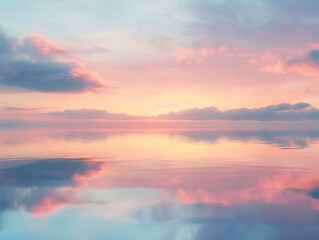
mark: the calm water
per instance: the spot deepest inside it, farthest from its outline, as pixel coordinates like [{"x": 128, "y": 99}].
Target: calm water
[{"x": 159, "y": 184}]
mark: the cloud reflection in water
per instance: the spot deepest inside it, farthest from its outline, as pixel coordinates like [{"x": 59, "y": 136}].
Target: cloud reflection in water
[
  {"x": 155, "y": 192},
  {"x": 41, "y": 185}
]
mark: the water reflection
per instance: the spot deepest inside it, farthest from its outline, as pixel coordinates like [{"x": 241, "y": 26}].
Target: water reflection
[
  {"x": 277, "y": 138},
  {"x": 41, "y": 185},
  {"x": 282, "y": 139},
  {"x": 162, "y": 185}
]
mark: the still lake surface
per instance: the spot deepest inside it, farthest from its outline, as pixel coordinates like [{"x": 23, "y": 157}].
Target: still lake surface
[{"x": 159, "y": 183}]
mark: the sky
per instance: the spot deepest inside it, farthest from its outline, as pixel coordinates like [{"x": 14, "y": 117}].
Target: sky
[{"x": 148, "y": 58}]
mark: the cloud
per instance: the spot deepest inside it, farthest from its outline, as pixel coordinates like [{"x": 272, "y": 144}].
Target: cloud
[
  {"x": 9, "y": 108},
  {"x": 284, "y": 111},
  {"x": 89, "y": 114},
  {"x": 188, "y": 55},
  {"x": 42, "y": 45},
  {"x": 254, "y": 24},
  {"x": 307, "y": 65},
  {"x": 36, "y": 63}
]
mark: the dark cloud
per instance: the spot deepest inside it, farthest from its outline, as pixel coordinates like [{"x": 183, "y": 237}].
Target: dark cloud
[
  {"x": 37, "y": 64},
  {"x": 311, "y": 57},
  {"x": 314, "y": 56},
  {"x": 301, "y": 106},
  {"x": 285, "y": 111}
]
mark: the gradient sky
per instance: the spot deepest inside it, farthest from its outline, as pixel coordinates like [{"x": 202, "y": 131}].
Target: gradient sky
[{"x": 150, "y": 57}]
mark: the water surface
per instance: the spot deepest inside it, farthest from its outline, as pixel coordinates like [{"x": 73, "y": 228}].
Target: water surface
[{"x": 159, "y": 184}]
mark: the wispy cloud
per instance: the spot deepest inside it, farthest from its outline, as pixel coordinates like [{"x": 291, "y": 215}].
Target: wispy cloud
[
  {"x": 88, "y": 114},
  {"x": 9, "y": 108},
  {"x": 188, "y": 55},
  {"x": 254, "y": 24},
  {"x": 307, "y": 65}
]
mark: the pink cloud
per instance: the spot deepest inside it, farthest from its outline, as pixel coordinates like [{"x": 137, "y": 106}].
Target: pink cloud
[
  {"x": 186, "y": 55},
  {"x": 56, "y": 199},
  {"x": 307, "y": 65},
  {"x": 43, "y": 45},
  {"x": 50, "y": 203},
  {"x": 36, "y": 63}
]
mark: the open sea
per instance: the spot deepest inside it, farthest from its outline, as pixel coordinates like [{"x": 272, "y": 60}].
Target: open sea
[{"x": 210, "y": 182}]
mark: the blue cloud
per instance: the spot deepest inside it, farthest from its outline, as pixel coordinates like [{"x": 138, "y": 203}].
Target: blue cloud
[{"x": 39, "y": 65}]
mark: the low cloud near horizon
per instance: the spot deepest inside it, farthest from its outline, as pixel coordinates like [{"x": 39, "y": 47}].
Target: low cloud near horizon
[
  {"x": 283, "y": 111},
  {"x": 88, "y": 114}
]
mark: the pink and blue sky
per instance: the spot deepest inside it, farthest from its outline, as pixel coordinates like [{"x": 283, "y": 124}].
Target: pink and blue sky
[{"x": 192, "y": 59}]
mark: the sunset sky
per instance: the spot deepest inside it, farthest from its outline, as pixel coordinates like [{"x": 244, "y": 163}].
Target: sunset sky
[
  {"x": 147, "y": 58},
  {"x": 159, "y": 119}
]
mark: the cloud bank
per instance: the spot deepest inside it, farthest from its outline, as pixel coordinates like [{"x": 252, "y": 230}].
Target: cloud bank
[
  {"x": 35, "y": 63},
  {"x": 280, "y": 112}
]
